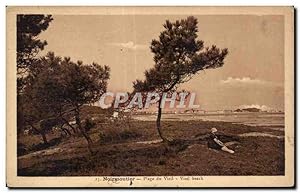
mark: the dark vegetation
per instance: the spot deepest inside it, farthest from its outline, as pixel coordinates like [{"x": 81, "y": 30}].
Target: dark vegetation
[{"x": 187, "y": 154}]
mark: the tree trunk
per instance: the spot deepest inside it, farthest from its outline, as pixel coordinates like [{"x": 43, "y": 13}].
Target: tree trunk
[
  {"x": 42, "y": 133},
  {"x": 82, "y": 131},
  {"x": 44, "y": 138},
  {"x": 158, "y": 126},
  {"x": 66, "y": 131},
  {"x": 67, "y": 122}
]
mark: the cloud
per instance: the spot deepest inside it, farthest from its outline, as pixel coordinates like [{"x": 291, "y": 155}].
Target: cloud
[
  {"x": 231, "y": 80},
  {"x": 129, "y": 45},
  {"x": 247, "y": 80}
]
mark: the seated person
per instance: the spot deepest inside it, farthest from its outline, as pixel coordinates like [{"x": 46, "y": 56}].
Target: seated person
[{"x": 215, "y": 143}]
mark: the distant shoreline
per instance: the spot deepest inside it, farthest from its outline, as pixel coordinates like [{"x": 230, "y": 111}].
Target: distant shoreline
[
  {"x": 211, "y": 113},
  {"x": 263, "y": 119}
]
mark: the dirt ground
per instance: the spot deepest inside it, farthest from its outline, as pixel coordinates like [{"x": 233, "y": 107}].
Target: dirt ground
[{"x": 134, "y": 149}]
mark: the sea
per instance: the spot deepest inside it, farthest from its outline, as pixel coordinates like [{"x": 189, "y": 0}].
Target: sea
[{"x": 275, "y": 120}]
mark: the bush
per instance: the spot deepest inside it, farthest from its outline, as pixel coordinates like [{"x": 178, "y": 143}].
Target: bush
[{"x": 89, "y": 124}]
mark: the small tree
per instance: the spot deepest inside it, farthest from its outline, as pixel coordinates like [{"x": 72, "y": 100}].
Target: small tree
[
  {"x": 39, "y": 98},
  {"x": 85, "y": 85},
  {"x": 60, "y": 85},
  {"x": 178, "y": 56}
]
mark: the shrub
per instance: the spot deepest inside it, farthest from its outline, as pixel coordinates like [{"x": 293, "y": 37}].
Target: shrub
[{"x": 89, "y": 124}]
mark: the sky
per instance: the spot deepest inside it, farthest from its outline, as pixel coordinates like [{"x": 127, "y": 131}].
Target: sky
[{"x": 253, "y": 73}]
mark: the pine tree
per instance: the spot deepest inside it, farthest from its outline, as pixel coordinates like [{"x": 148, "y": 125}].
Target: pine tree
[{"x": 178, "y": 56}]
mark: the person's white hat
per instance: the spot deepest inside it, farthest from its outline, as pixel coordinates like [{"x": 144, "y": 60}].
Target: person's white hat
[{"x": 213, "y": 130}]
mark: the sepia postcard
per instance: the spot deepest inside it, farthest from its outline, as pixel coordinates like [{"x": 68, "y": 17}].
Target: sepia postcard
[{"x": 150, "y": 97}]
